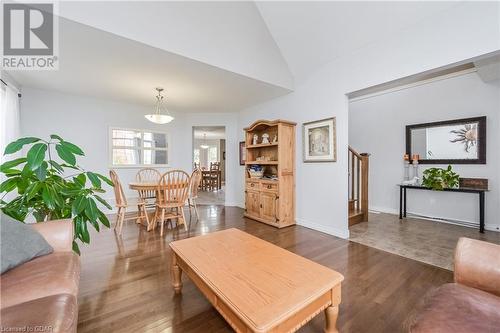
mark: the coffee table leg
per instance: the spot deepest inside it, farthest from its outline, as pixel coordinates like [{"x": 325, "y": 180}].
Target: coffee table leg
[
  {"x": 176, "y": 275},
  {"x": 332, "y": 312}
]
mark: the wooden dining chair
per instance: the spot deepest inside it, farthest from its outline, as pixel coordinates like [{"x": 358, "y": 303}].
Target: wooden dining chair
[
  {"x": 194, "y": 184},
  {"x": 171, "y": 197},
  {"x": 148, "y": 175},
  {"x": 213, "y": 176},
  {"x": 122, "y": 204}
]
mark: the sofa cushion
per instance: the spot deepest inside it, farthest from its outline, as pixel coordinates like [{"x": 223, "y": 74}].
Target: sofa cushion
[
  {"x": 56, "y": 313},
  {"x": 457, "y": 308},
  {"x": 56, "y": 273},
  {"x": 19, "y": 243}
]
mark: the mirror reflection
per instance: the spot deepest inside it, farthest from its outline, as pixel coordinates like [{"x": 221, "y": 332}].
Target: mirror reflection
[{"x": 446, "y": 142}]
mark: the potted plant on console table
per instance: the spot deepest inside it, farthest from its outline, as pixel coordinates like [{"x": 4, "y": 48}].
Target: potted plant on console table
[
  {"x": 47, "y": 191},
  {"x": 439, "y": 179}
]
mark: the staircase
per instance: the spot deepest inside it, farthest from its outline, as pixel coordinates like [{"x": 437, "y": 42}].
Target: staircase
[{"x": 358, "y": 186}]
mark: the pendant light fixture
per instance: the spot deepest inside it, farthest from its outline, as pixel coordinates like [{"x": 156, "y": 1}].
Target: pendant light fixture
[
  {"x": 158, "y": 117},
  {"x": 204, "y": 144}
]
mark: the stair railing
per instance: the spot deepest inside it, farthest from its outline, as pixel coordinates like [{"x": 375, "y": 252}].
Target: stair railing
[{"x": 358, "y": 181}]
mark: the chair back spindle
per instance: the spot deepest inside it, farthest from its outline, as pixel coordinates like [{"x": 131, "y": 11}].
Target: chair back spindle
[
  {"x": 194, "y": 183},
  {"x": 148, "y": 175},
  {"x": 120, "y": 199},
  {"x": 173, "y": 187}
]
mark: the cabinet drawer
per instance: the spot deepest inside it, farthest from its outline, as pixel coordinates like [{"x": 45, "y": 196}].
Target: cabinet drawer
[
  {"x": 253, "y": 185},
  {"x": 269, "y": 187}
]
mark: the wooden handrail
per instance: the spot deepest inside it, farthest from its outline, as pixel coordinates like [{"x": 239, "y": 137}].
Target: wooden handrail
[
  {"x": 359, "y": 174},
  {"x": 355, "y": 153}
]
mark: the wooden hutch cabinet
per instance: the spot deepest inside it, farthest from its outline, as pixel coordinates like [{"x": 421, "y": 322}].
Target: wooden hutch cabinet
[{"x": 271, "y": 198}]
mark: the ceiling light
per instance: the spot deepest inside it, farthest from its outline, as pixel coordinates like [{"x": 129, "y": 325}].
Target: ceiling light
[
  {"x": 204, "y": 144},
  {"x": 158, "y": 117}
]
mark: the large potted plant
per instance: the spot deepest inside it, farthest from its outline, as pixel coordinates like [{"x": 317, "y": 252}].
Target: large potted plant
[{"x": 50, "y": 189}]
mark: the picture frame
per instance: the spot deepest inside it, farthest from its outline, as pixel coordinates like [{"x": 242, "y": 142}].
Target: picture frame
[
  {"x": 243, "y": 153},
  {"x": 319, "y": 141}
]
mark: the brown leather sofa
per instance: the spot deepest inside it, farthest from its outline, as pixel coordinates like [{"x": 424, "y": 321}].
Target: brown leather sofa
[
  {"x": 472, "y": 303},
  {"x": 41, "y": 295}
]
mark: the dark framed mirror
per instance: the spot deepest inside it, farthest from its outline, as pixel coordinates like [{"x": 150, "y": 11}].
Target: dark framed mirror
[{"x": 459, "y": 141}]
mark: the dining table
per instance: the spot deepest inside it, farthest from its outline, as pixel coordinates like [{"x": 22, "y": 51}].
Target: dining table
[
  {"x": 145, "y": 187},
  {"x": 148, "y": 186}
]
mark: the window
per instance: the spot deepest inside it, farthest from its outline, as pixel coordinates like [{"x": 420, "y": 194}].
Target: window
[
  {"x": 196, "y": 156},
  {"x": 212, "y": 155},
  {"x": 138, "y": 148}
]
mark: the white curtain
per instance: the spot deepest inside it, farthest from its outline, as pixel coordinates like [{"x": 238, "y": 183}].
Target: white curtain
[
  {"x": 10, "y": 127},
  {"x": 9, "y": 118}
]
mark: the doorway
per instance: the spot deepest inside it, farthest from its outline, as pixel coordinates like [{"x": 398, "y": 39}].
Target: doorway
[
  {"x": 209, "y": 155},
  {"x": 379, "y": 118}
]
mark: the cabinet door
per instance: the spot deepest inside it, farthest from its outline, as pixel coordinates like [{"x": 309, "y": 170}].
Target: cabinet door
[
  {"x": 268, "y": 206},
  {"x": 252, "y": 204}
]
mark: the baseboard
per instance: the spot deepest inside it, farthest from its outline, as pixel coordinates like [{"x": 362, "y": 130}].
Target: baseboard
[
  {"x": 232, "y": 204},
  {"x": 383, "y": 210},
  {"x": 240, "y": 205},
  {"x": 325, "y": 229},
  {"x": 462, "y": 223}
]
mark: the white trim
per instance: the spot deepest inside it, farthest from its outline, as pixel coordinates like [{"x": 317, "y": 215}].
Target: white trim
[
  {"x": 231, "y": 204},
  {"x": 462, "y": 223},
  {"x": 135, "y": 166},
  {"x": 341, "y": 233},
  {"x": 10, "y": 82},
  {"x": 414, "y": 84},
  {"x": 240, "y": 205}
]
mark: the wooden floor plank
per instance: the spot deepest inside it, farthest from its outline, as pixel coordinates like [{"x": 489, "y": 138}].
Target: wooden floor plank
[{"x": 125, "y": 282}]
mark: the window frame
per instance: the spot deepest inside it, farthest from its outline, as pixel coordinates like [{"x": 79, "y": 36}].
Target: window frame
[{"x": 141, "y": 148}]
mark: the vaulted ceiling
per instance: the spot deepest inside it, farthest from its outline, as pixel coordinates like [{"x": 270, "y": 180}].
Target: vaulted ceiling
[
  {"x": 209, "y": 56},
  {"x": 212, "y": 56},
  {"x": 312, "y": 33},
  {"x": 100, "y": 64}
]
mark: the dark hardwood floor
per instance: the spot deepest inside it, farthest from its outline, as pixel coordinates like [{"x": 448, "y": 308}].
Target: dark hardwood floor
[{"x": 126, "y": 286}]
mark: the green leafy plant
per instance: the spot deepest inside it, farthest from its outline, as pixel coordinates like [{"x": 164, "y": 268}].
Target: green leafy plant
[
  {"x": 50, "y": 189},
  {"x": 439, "y": 179}
]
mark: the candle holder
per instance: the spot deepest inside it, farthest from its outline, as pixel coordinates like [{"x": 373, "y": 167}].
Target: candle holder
[
  {"x": 406, "y": 164},
  {"x": 416, "y": 174}
]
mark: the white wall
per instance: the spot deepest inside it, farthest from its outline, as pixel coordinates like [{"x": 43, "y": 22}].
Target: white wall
[
  {"x": 384, "y": 117},
  {"x": 86, "y": 121},
  {"x": 466, "y": 31}
]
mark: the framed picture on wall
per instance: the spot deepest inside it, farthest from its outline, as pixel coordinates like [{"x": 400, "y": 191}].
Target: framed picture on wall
[
  {"x": 243, "y": 153},
  {"x": 319, "y": 140}
]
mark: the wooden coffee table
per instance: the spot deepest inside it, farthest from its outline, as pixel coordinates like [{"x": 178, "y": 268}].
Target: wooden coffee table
[{"x": 255, "y": 285}]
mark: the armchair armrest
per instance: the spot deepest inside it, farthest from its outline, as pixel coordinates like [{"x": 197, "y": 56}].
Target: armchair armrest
[
  {"x": 477, "y": 265},
  {"x": 58, "y": 233}
]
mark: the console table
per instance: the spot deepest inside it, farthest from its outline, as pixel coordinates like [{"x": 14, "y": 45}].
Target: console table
[{"x": 481, "y": 192}]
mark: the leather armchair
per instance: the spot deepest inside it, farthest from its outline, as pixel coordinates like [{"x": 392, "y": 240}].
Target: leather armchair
[
  {"x": 58, "y": 233},
  {"x": 477, "y": 265},
  {"x": 472, "y": 303}
]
